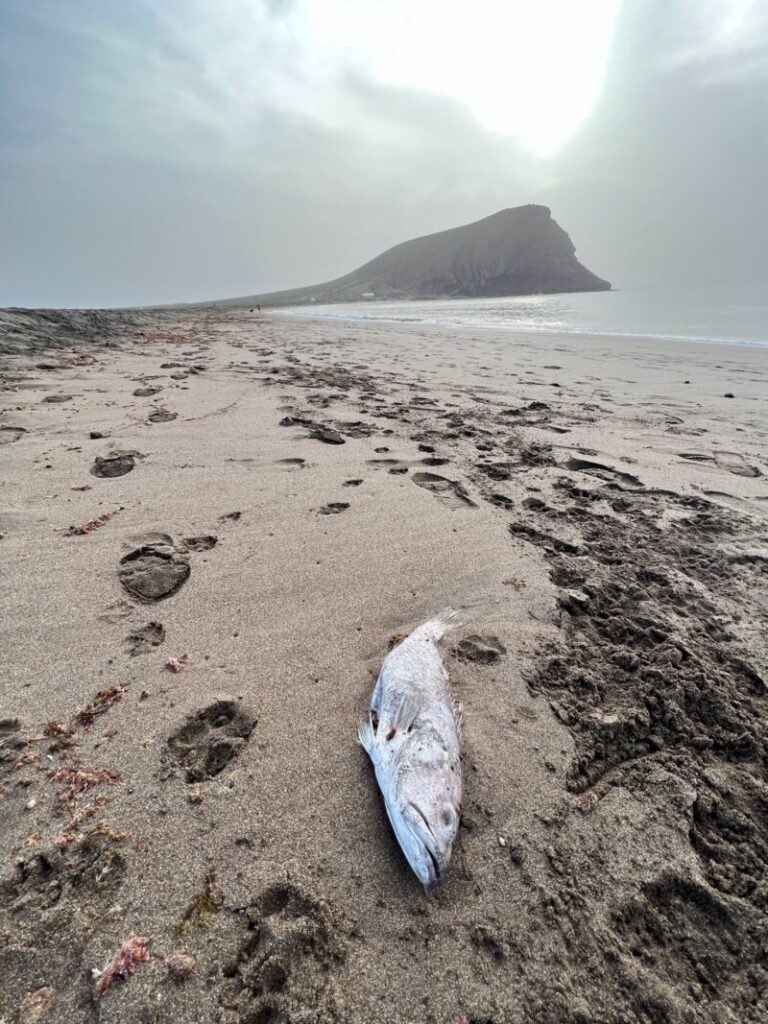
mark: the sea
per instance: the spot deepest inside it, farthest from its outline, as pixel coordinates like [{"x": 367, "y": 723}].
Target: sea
[{"x": 736, "y": 315}]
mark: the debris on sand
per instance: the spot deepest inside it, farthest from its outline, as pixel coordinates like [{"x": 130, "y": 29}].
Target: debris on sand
[
  {"x": 204, "y": 906},
  {"x": 123, "y": 964},
  {"x": 179, "y": 965},
  {"x": 55, "y": 729},
  {"x": 92, "y": 524},
  {"x": 36, "y": 1005},
  {"x": 328, "y": 435},
  {"x": 101, "y": 703},
  {"x": 80, "y": 780},
  {"x": 177, "y": 664},
  {"x": 103, "y": 830},
  {"x": 588, "y": 802}
]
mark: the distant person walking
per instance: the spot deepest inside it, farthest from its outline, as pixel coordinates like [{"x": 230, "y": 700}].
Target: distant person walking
[{"x": 258, "y": 308}]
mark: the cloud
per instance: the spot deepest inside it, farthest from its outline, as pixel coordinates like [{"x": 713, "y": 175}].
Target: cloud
[{"x": 183, "y": 150}]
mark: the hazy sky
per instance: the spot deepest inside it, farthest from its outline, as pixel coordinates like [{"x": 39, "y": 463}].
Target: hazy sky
[{"x": 169, "y": 150}]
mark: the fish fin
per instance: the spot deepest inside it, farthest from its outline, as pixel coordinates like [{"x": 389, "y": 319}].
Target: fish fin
[
  {"x": 458, "y": 715},
  {"x": 365, "y": 736},
  {"x": 404, "y": 717}
]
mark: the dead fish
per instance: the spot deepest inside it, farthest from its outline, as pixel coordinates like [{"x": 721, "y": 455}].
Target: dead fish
[{"x": 412, "y": 738}]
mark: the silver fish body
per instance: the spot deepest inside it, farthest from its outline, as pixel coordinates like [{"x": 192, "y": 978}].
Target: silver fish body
[{"x": 412, "y": 737}]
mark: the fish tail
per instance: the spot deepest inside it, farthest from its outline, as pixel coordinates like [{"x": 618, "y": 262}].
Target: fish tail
[{"x": 438, "y": 626}]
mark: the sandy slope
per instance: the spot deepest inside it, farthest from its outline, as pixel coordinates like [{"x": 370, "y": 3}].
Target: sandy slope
[{"x": 600, "y": 517}]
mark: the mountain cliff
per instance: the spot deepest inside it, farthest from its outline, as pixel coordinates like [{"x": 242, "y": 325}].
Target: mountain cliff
[{"x": 519, "y": 251}]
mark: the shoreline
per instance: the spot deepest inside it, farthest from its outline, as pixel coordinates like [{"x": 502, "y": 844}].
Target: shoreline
[
  {"x": 667, "y": 339},
  {"x": 600, "y": 523}
]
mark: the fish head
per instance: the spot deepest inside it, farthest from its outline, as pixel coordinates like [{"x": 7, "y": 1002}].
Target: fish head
[{"x": 425, "y": 816}]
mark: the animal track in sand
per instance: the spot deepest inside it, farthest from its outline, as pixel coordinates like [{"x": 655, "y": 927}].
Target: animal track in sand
[
  {"x": 154, "y": 571},
  {"x": 483, "y": 650},
  {"x": 282, "y": 969},
  {"x": 449, "y": 492},
  {"x": 210, "y": 739},
  {"x": 144, "y": 639}
]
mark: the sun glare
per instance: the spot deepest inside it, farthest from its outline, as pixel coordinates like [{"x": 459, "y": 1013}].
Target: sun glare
[{"x": 532, "y": 70}]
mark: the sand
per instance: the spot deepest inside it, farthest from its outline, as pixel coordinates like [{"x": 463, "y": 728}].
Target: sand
[{"x": 190, "y": 636}]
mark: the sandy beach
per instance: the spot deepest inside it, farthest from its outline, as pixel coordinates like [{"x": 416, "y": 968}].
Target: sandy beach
[{"x": 214, "y": 526}]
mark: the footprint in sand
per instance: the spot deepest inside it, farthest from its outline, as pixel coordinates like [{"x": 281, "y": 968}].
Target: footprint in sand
[
  {"x": 736, "y": 463},
  {"x": 161, "y": 416},
  {"x": 604, "y": 472},
  {"x": 449, "y": 492},
  {"x": 210, "y": 739},
  {"x": 147, "y": 392},
  {"x": 483, "y": 650},
  {"x": 500, "y": 500},
  {"x": 155, "y": 570},
  {"x": 333, "y": 508},
  {"x": 116, "y": 464},
  {"x": 282, "y": 969},
  {"x": 694, "y": 457},
  {"x": 51, "y": 399},
  {"x": 144, "y": 639},
  {"x": 203, "y": 543},
  {"x": 10, "y": 434}
]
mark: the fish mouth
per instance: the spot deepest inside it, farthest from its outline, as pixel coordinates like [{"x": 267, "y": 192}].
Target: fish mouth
[{"x": 435, "y": 860}]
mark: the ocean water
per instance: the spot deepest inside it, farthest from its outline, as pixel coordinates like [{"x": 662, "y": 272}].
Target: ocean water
[{"x": 736, "y": 315}]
